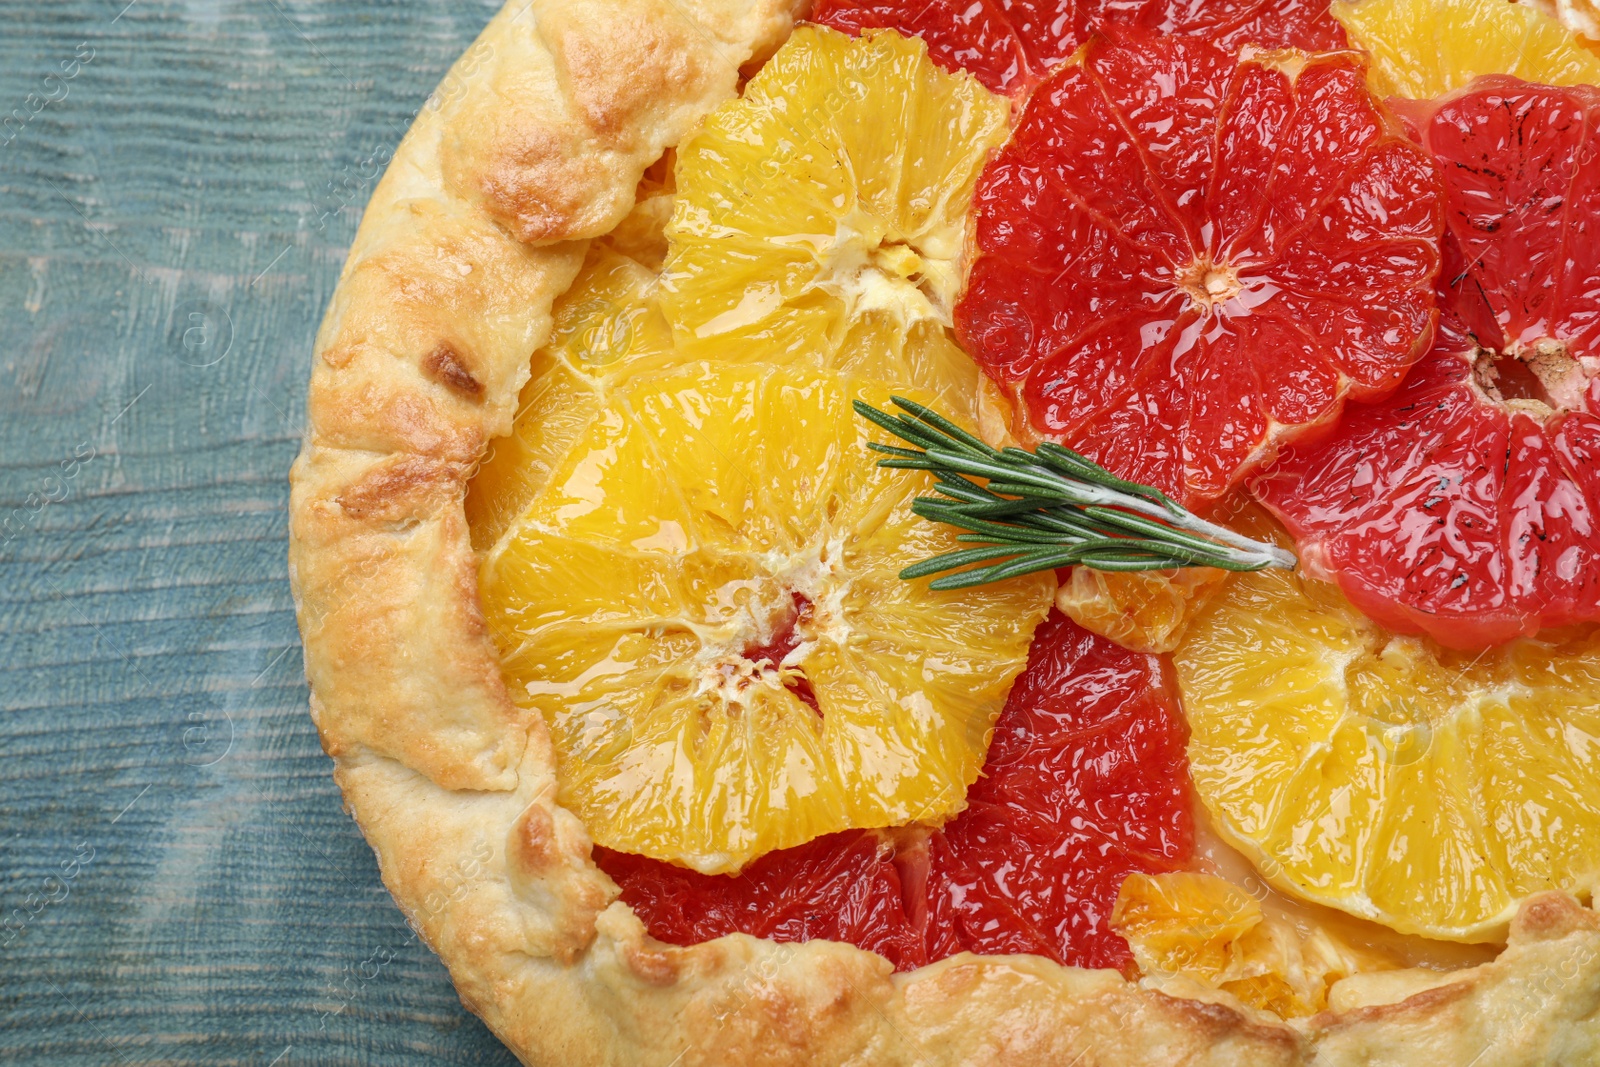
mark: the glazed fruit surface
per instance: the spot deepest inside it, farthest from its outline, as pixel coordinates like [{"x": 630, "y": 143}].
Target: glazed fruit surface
[
  {"x": 1387, "y": 776},
  {"x": 1426, "y": 48},
  {"x": 690, "y": 564},
  {"x": 1467, "y": 507},
  {"x": 1211, "y": 930},
  {"x": 1011, "y": 45},
  {"x": 703, "y": 604},
  {"x": 1085, "y": 783},
  {"x": 809, "y": 231},
  {"x": 1178, "y": 281}
]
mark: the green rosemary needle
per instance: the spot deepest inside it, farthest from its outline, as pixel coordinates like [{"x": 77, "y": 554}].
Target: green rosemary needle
[{"x": 1046, "y": 509}]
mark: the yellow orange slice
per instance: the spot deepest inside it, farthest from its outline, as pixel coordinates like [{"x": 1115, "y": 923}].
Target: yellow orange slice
[
  {"x": 1211, "y": 931},
  {"x": 703, "y": 603},
  {"x": 1425, "y": 48},
  {"x": 1399, "y": 781},
  {"x": 1146, "y": 611},
  {"x": 821, "y": 216},
  {"x": 605, "y": 325}
]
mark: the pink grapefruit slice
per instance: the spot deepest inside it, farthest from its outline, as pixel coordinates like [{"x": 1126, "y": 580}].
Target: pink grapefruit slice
[
  {"x": 1188, "y": 257},
  {"x": 1086, "y": 782},
  {"x": 1011, "y": 45},
  {"x": 1467, "y": 507}
]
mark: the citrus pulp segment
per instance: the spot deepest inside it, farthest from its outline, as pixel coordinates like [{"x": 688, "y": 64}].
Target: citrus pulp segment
[
  {"x": 1428, "y": 790},
  {"x": 1211, "y": 931},
  {"x": 820, "y": 217},
  {"x": 1144, "y": 611},
  {"x": 703, "y": 603},
  {"x": 1085, "y": 783},
  {"x": 1582, "y": 17},
  {"x": 1426, "y": 48},
  {"x": 1011, "y": 45},
  {"x": 843, "y": 887},
  {"x": 606, "y": 324},
  {"x": 1521, "y": 165},
  {"x": 1467, "y": 506},
  {"x": 1187, "y": 257}
]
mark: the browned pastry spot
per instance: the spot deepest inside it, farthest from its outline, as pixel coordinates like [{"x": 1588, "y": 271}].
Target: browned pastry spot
[
  {"x": 401, "y": 488},
  {"x": 535, "y": 840},
  {"x": 447, "y": 368},
  {"x": 1549, "y": 916},
  {"x": 537, "y": 185},
  {"x": 656, "y": 965}
]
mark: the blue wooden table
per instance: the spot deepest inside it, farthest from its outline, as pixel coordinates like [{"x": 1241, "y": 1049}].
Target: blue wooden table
[{"x": 179, "y": 180}]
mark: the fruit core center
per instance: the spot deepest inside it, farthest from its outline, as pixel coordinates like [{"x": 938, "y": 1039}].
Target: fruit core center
[
  {"x": 1539, "y": 378},
  {"x": 766, "y": 656},
  {"x": 1209, "y": 284},
  {"x": 872, "y": 269},
  {"x": 789, "y": 631}
]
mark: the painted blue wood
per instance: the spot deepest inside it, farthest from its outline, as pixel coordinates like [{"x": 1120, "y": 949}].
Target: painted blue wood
[{"x": 179, "y": 180}]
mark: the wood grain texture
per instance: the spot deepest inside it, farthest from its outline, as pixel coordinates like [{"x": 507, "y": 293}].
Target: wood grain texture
[{"x": 178, "y": 884}]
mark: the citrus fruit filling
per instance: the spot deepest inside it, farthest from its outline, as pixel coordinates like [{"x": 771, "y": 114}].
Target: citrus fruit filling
[
  {"x": 1188, "y": 242},
  {"x": 1467, "y": 507},
  {"x": 1207, "y": 929},
  {"x": 1085, "y": 783},
  {"x": 1011, "y": 45},
  {"x": 1187, "y": 257},
  {"x": 1145, "y": 611},
  {"x": 821, "y": 216},
  {"x": 1426, "y": 48},
  {"x": 703, "y": 604},
  {"x": 694, "y": 576},
  {"x": 607, "y": 323},
  {"x": 1385, "y": 775}
]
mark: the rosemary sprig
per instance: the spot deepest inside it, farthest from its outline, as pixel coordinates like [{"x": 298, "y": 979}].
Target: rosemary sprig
[{"x": 1046, "y": 509}]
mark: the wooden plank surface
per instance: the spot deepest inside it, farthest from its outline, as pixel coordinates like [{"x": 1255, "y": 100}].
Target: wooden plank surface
[{"x": 179, "y": 180}]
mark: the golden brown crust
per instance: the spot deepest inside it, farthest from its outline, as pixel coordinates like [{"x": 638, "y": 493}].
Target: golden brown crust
[{"x": 481, "y": 221}]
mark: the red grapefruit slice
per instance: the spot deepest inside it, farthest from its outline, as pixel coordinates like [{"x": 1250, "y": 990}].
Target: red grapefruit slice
[
  {"x": 1011, "y": 45},
  {"x": 839, "y": 887},
  {"x": 1086, "y": 782},
  {"x": 1467, "y": 507},
  {"x": 1187, "y": 257}
]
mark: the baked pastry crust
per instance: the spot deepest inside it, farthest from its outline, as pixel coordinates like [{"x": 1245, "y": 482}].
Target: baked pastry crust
[{"x": 535, "y": 144}]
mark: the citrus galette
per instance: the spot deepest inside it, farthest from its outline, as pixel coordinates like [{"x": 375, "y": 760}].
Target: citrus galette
[{"x": 1004, "y": 532}]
